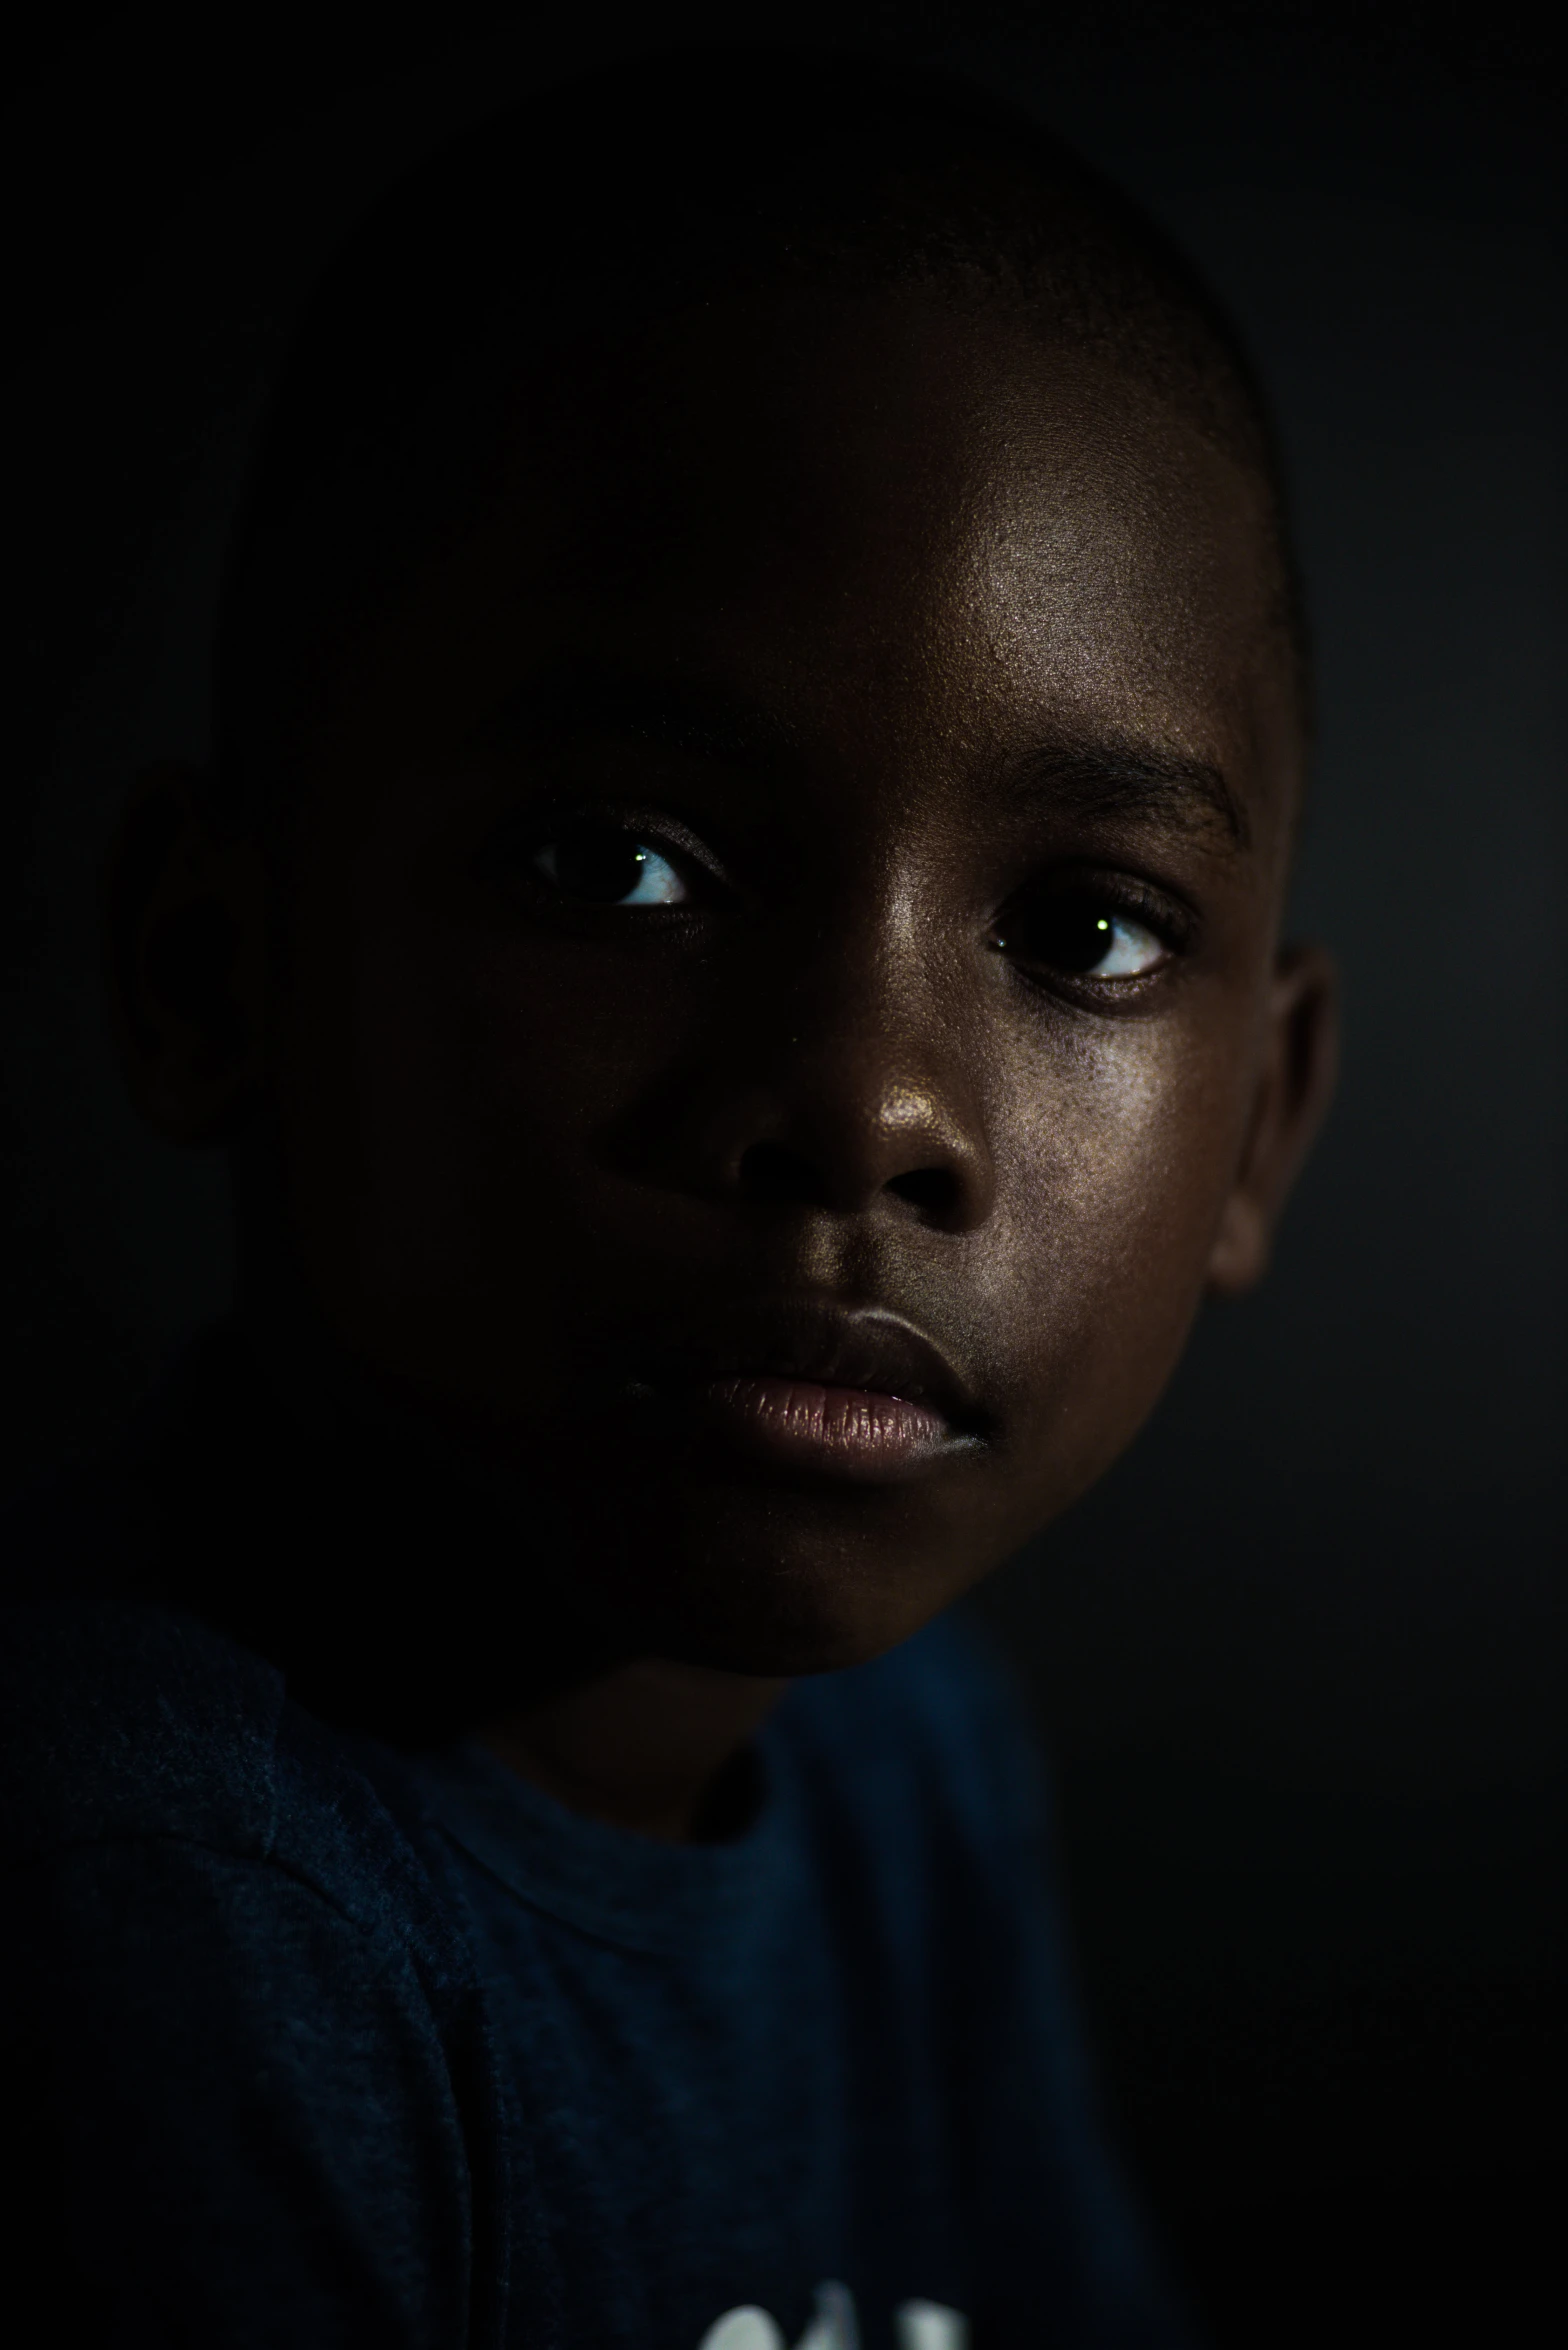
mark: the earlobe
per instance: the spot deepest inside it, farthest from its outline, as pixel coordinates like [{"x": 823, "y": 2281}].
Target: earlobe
[
  {"x": 182, "y": 926},
  {"x": 1294, "y": 1085},
  {"x": 1240, "y": 1253}
]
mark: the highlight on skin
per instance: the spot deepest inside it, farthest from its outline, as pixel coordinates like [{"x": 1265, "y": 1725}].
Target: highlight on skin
[{"x": 758, "y": 1013}]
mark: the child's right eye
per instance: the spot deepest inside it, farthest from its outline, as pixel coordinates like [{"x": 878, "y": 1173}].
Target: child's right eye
[{"x": 603, "y": 866}]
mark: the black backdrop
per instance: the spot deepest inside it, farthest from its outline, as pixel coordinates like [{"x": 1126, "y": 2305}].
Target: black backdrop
[{"x": 1299, "y": 1660}]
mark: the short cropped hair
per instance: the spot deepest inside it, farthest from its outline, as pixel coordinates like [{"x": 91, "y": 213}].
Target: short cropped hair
[{"x": 622, "y": 197}]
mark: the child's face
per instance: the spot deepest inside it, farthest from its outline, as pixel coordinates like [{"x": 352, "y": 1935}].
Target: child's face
[{"x": 944, "y": 997}]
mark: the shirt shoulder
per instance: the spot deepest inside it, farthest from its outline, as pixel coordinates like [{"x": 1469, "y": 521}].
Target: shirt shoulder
[{"x": 127, "y": 1720}]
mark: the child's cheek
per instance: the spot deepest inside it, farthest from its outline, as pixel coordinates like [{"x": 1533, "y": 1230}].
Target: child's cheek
[{"x": 1116, "y": 1164}]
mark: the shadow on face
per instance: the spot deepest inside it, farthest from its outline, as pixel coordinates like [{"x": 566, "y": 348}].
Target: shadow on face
[{"x": 784, "y": 1017}]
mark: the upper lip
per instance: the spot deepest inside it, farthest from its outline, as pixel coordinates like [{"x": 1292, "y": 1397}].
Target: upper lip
[{"x": 834, "y": 1344}]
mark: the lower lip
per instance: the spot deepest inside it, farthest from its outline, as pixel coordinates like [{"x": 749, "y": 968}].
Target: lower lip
[{"x": 851, "y": 1432}]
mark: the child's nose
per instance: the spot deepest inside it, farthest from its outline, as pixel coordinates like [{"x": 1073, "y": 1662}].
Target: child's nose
[
  {"x": 851, "y": 1140},
  {"x": 853, "y": 1089}
]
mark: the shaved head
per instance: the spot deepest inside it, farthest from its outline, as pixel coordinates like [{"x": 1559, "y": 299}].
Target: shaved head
[
  {"x": 762, "y": 650},
  {"x": 574, "y": 235}
]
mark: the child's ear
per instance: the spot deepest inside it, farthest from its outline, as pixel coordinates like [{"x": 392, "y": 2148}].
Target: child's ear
[
  {"x": 182, "y": 935},
  {"x": 1294, "y": 1084}
]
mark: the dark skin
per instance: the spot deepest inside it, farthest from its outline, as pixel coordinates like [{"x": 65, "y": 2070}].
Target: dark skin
[{"x": 932, "y": 673}]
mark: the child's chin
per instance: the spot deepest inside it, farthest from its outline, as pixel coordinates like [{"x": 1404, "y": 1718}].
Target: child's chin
[
  {"x": 792, "y": 1653},
  {"x": 782, "y": 1619},
  {"x": 775, "y": 1580}
]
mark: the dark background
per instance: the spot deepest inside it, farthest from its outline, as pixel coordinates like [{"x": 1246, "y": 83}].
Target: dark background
[{"x": 1300, "y": 1660}]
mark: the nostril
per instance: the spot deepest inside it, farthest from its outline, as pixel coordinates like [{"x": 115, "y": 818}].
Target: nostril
[
  {"x": 772, "y": 1171},
  {"x": 776, "y": 1172},
  {"x": 933, "y": 1190}
]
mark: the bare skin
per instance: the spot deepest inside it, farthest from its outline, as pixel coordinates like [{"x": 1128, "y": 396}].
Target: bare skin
[{"x": 920, "y": 665}]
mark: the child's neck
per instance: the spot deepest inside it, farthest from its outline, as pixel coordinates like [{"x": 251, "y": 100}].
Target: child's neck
[{"x": 652, "y": 1746}]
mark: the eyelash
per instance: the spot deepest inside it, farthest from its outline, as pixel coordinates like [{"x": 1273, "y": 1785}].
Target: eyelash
[
  {"x": 514, "y": 854},
  {"x": 1174, "y": 925},
  {"x": 1167, "y": 919}
]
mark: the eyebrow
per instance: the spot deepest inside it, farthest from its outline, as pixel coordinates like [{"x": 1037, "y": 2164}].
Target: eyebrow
[
  {"x": 1109, "y": 777},
  {"x": 1096, "y": 775},
  {"x": 677, "y": 715}
]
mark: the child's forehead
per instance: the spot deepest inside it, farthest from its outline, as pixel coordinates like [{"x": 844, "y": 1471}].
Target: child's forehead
[
  {"x": 821, "y": 407},
  {"x": 913, "y": 536},
  {"x": 894, "y": 495}
]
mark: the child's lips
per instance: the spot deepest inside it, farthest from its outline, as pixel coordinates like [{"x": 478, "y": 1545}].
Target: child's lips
[
  {"x": 809, "y": 1385},
  {"x": 853, "y": 1432}
]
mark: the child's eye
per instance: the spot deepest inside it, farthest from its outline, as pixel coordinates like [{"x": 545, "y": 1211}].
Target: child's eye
[
  {"x": 603, "y": 867},
  {"x": 1083, "y": 937}
]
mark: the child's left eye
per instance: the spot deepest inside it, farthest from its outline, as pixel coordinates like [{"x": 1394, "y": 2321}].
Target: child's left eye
[
  {"x": 1083, "y": 937},
  {"x": 609, "y": 868}
]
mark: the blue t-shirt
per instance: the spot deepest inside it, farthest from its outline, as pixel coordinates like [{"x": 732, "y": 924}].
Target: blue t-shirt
[{"x": 311, "y": 2040}]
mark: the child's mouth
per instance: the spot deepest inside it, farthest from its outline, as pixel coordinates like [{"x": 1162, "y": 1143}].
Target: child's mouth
[
  {"x": 856, "y": 1432},
  {"x": 861, "y": 1398}
]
